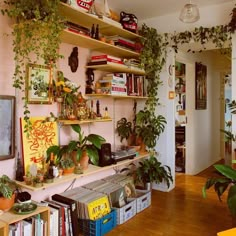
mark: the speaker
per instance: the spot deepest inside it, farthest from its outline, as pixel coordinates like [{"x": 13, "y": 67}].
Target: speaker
[{"x": 105, "y": 155}]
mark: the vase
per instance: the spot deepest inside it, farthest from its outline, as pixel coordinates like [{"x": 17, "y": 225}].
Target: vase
[
  {"x": 7, "y": 203},
  {"x": 68, "y": 171},
  {"x": 84, "y": 161},
  {"x": 106, "y": 9}
]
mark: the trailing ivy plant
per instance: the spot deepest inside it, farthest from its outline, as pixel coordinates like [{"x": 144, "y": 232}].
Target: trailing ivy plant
[
  {"x": 36, "y": 38},
  {"x": 153, "y": 58}
]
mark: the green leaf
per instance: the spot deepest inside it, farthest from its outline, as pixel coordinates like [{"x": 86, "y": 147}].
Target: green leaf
[
  {"x": 231, "y": 200},
  {"x": 227, "y": 171}
]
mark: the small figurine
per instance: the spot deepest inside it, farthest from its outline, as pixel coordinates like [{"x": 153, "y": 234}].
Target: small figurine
[
  {"x": 89, "y": 82},
  {"x": 73, "y": 60},
  {"x": 106, "y": 115},
  {"x": 98, "y": 109}
]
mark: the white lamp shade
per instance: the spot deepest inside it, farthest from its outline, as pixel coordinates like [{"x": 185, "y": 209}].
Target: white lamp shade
[{"x": 189, "y": 13}]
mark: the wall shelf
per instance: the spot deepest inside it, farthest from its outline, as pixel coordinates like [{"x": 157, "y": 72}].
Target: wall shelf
[
  {"x": 96, "y": 45},
  {"x": 90, "y": 171},
  {"x": 72, "y": 122},
  {"x": 113, "y": 96},
  {"x": 118, "y": 68},
  {"x": 87, "y": 20}
]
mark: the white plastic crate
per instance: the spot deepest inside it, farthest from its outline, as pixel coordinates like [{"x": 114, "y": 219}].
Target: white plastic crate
[
  {"x": 126, "y": 212},
  {"x": 143, "y": 200}
]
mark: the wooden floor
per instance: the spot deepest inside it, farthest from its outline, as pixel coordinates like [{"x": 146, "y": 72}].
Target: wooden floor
[{"x": 181, "y": 212}]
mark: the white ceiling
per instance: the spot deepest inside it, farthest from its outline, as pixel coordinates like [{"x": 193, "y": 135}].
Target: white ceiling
[{"x": 145, "y": 9}]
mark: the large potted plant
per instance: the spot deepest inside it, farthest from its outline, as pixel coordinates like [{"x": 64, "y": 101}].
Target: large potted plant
[
  {"x": 84, "y": 146},
  {"x": 152, "y": 171},
  {"x": 8, "y": 189},
  {"x": 225, "y": 182}
]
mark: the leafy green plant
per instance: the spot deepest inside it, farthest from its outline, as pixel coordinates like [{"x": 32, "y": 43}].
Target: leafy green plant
[
  {"x": 151, "y": 171},
  {"x": 124, "y": 128},
  {"x": 225, "y": 182},
  {"x": 7, "y": 186},
  {"x": 67, "y": 163},
  {"x": 90, "y": 143},
  {"x": 149, "y": 127}
]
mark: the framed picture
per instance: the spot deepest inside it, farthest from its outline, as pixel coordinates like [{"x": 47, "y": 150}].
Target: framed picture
[
  {"x": 38, "y": 84},
  {"x": 7, "y": 127},
  {"x": 200, "y": 86}
]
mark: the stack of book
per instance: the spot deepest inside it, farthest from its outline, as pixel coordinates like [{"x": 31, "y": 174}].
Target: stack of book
[
  {"x": 114, "y": 83},
  {"x": 122, "y": 42},
  {"x": 102, "y": 59},
  {"x": 77, "y": 28}
]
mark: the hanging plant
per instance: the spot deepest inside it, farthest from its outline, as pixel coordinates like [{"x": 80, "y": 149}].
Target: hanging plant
[
  {"x": 149, "y": 125},
  {"x": 36, "y": 38}
]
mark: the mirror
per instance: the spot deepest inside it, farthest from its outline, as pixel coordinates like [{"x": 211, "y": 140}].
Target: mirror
[{"x": 7, "y": 127}]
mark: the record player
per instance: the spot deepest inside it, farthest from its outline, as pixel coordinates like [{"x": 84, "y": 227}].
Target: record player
[{"x": 123, "y": 153}]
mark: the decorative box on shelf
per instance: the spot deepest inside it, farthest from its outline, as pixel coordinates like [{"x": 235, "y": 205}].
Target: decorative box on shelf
[
  {"x": 126, "y": 212},
  {"x": 98, "y": 227}
]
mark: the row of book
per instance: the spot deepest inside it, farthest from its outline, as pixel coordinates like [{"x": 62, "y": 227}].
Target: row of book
[
  {"x": 32, "y": 226},
  {"x": 123, "y": 84}
]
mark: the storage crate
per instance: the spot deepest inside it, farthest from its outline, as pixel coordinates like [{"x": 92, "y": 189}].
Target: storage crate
[
  {"x": 126, "y": 212},
  {"x": 143, "y": 200},
  {"x": 98, "y": 227}
]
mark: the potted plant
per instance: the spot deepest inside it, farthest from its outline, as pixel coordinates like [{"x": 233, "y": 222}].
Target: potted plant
[
  {"x": 37, "y": 181},
  {"x": 124, "y": 128},
  {"x": 8, "y": 189},
  {"x": 88, "y": 145},
  {"x": 225, "y": 182},
  {"x": 151, "y": 171},
  {"x": 67, "y": 164},
  {"x": 148, "y": 128}
]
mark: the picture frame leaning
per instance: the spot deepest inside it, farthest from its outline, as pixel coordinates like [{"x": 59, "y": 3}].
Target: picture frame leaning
[{"x": 39, "y": 84}]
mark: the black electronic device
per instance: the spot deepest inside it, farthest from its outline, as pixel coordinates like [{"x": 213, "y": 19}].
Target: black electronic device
[{"x": 105, "y": 155}]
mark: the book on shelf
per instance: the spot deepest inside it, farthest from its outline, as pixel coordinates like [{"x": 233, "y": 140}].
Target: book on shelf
[
  {"x": 73, "y": 210},
  {"x": 98, "y": 57},
  {"x": 105, "y": 62},
  {"x": 77, "y": 28}
]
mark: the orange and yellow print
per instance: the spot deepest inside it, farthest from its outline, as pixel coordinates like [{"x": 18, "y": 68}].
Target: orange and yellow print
[{"x": 34, "y": 145}]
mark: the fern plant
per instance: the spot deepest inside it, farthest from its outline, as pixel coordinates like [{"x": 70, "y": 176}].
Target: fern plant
[{"x": 7, "y": 186}]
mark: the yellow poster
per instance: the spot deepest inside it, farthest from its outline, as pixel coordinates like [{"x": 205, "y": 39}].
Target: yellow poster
[{"x": 34, "y": 145}]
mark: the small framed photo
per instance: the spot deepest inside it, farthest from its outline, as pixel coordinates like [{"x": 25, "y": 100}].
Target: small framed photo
[{"x": 38, "y": 84}]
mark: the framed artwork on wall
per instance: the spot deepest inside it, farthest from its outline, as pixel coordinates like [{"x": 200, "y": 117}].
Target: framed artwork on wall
[
  {"x": 38, "y": 84},
  {"x": 200, "y": 86},
  {"x": 7, "y": 127},
  {"x": 36, "y": 142}
]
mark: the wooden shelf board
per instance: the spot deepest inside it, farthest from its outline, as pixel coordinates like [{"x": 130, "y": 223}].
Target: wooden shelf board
[
  {"x": 71, "y": 122},
  {"x": 96, "y": 45},
  {"x": 87, "y": 20},
  {"x": 118, "y": 68},
  {"x": 114, "y": 96},
  {"x": 91, "y": 170},
  {"x": 10, "y": 217}
]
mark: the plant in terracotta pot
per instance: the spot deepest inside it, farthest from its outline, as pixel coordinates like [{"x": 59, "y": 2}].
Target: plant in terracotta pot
[
  {"x": 124, "y": 128},
  {"x": 85, "y": 147},
  {"x": 37, "y": 181},
  {"x": 67, "y": 165},
  {"x": 8, "y": 189}
]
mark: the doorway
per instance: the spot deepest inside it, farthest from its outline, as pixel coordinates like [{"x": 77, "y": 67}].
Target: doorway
[{"x": 180, "y": 116}]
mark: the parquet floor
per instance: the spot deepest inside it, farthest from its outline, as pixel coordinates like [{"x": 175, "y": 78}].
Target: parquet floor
[{"x": 181, "y": 212}]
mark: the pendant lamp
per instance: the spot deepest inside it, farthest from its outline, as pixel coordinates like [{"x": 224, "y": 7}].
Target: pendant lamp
[{"x": 189, "y": 13}]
